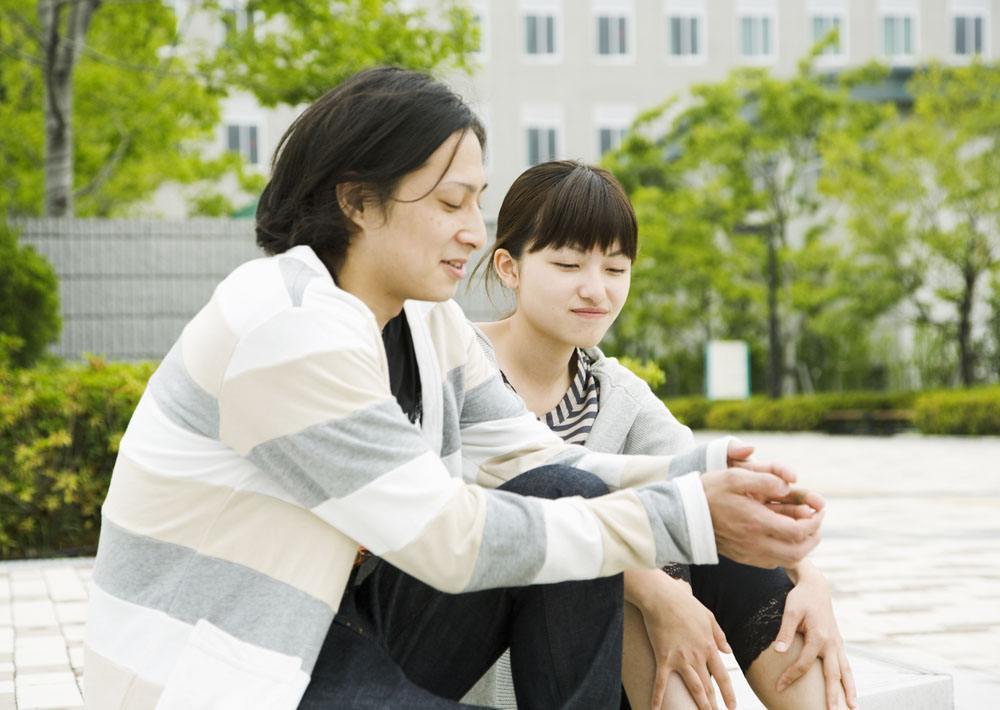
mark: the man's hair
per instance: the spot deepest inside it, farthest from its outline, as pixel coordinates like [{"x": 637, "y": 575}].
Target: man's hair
[
  {"x": 564, "y": 203},
  {"x": 370, "y": 131}
]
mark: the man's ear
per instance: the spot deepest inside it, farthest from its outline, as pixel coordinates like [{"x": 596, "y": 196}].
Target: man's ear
[
  {"x": 351, "y": 201},
  {"x": 505, "y": 267}
]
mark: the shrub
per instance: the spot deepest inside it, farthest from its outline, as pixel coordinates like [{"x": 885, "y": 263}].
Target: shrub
[
  {"x": 646, "y": 370},
  {"x": 729, "y": 416},
  {"x": 29, "y": 301},
  {"x": 975, "y": 411},
  {"x": 59, "y": 433},
  {"x": 690, "y": 410},
  {"x": 804, "y": 413}
]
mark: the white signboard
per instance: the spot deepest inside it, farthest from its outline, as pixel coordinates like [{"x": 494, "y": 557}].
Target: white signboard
[{"x": 727, "y": 369}]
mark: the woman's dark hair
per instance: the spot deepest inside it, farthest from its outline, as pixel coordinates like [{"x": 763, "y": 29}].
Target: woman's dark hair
[
  {"x": 564, "y": 203},
  {"x": 371, "y": 130}
]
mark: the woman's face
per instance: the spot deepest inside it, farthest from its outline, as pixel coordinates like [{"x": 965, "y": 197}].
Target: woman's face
[
  {"x": 573, "y": 296},
  {"x": 418, "y": 247}
]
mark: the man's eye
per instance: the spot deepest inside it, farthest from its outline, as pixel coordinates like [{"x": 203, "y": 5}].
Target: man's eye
[
  {"x": 449, "y": 205},
  {"x": 564, "y": 266},
  {"x": 617, "y": 271}
]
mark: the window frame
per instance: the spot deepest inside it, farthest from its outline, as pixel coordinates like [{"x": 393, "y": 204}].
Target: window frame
[{"x": 542, "y": 9}]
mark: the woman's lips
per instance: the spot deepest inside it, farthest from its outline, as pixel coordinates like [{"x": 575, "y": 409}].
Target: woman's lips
[{"x": 590, "y": 313}]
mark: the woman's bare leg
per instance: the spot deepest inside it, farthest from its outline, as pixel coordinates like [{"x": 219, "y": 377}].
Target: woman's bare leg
[
  {"x": 639, "y": 668},
  {"x": 806, "y": 693}
]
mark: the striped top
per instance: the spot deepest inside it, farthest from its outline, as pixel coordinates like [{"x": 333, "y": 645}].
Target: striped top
[
  {"x": 268, "y": 446},
  {"x": 573, "y": 418}
]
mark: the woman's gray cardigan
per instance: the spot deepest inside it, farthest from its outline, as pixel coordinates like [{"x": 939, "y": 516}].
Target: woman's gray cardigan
[{"x": 630, "y": 419}]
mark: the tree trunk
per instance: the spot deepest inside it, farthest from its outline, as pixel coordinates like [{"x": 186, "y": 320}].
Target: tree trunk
[
  {"x": 966, "y": 358},
  {"x": 64, "y": 25},
  {"x": 775, "y": 350}
]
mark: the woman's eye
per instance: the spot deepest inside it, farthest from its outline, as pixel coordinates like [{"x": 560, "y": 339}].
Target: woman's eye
[
  {"x": 564, "y": 266},
  {"x": 618, "y": 271},
  {"x": 450, "y": 206}
]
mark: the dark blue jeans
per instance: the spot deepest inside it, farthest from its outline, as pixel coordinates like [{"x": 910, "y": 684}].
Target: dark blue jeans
[{"x": 398, "y": 643}]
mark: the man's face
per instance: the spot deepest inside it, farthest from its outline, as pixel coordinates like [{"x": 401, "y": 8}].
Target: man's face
[{"x": 418, "y": 246}]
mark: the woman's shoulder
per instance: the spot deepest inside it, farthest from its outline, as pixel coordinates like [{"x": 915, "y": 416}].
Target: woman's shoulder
[{"x": 615, "y": 376}]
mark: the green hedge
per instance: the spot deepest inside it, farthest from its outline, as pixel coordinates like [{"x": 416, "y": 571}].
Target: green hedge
[
  {"x": 59, "y": 433},
  {"x": 60, "y": 426},
  {"x": 852, "y": 411},
  {"x": 975, "y": 411}
]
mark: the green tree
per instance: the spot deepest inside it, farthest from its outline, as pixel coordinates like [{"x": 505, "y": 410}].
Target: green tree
[
  {"x": 29, "y": 302},
  {"x": 113, "y": 101},
  {"x": 294, "y": 52},
  {"x": 923, "y": 197},
  {"x": 99, "y": 108},
  {"x": 733, "y": 223}
]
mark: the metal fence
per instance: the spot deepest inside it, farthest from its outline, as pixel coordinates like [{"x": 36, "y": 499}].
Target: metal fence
[{"x": 128, "y": 287}]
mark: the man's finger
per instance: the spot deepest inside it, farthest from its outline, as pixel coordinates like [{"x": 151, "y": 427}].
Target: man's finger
[
  {"x": 801, "y": 496},
  {"x": 791, "y": 510},
  {"x": 718, "y": 670},
  {"x": 775, "y": 469},
  {"x": 762, "y": 486},
  {"x": 739, "y": 451}
]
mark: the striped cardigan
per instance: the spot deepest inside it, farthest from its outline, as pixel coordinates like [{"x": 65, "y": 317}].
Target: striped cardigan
[{"x": 268, "y": 447}]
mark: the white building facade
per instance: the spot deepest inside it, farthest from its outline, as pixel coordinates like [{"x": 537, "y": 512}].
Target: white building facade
[{"x": 565, "y": 78}]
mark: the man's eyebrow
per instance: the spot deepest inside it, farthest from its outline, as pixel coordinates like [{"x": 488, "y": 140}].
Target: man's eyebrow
[{"x": 469, "y": 187}]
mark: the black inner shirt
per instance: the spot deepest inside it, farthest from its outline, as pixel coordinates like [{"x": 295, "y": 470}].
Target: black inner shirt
[{"x": 404, "y": 375}]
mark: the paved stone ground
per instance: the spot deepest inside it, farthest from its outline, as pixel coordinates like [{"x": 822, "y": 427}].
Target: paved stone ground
[{"x": 911, "y": 548}]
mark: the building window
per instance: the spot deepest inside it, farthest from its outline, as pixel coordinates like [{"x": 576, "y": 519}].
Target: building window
[
  {"x": 481, "y": 22},
  {"x": 612, "y": 35},
  {"x": 968, "y": 38},
  {"x": 685, "y": 36},
  {"x": 822, "y": 25},
  {"x": 242, "y": 139},
  {"x": 542, "y": 144},
  {"x": 540, "y": 34},
  {"x": 897, "y": 35},
  {"x": 756, "y": 36},
  {"x": 609, "y": 139}
]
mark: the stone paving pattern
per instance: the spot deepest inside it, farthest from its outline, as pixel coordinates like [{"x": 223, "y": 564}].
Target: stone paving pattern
[{"x": 911, "y": 548}]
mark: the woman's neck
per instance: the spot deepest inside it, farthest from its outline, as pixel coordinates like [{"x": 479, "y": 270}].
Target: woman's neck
[{"x": 536, "y": 365}]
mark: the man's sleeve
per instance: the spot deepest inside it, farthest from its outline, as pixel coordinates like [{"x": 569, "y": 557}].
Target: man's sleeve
[{"x": 315, "y": 412}]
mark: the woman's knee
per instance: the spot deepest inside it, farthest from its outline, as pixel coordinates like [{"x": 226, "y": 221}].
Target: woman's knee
[{"x": 556, "y": 481}]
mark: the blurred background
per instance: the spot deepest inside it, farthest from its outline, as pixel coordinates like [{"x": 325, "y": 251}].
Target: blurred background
[{"x": 818, "y": 190}]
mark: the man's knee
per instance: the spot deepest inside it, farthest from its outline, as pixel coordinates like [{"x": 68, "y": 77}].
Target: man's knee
[{"x": 556, "y": 481}]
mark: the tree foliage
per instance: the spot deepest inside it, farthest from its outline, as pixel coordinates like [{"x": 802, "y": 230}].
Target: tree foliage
[
  {"x": 293, "y": 53},
  {"x": 146, "y": 92},
  {"x": 923, "y": 199},
  {"x": 29, "y": 302},
  {"x": 140, "y": 112},
  {"x": 735, "y": 238}
]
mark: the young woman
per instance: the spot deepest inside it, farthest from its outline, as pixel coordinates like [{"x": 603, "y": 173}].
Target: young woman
[
  {"x": 566, "y": 241},
  {"x": 328, "y": 397}
]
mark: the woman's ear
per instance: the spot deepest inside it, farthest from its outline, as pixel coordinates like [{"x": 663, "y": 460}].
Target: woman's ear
[
  {"x": 351, "y": 201},
  {"x": 505, "y": 267}
]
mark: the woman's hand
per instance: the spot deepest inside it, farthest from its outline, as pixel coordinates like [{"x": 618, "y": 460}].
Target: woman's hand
[
  {"x": 684, "y": 636},
  {"x": 808, "y": 610}
]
